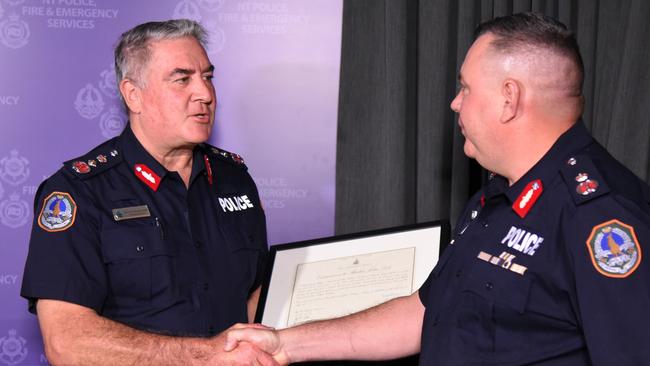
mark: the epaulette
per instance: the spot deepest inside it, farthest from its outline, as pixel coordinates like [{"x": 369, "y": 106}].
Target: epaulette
[
  {"x": 583, "y": 179},
  {"x": 224, "y": 155},
  {"x": 98, "y": 160}
]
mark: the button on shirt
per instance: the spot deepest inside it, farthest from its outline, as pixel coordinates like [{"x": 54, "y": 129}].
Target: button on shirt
[
  {"x": 186, "y": 266},
  {"x": 546, "y": 276}
]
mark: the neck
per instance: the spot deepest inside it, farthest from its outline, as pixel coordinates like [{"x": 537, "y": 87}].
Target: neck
[
  {"x": 530, "y": 146},
  {"x": 173, "y": 158}
]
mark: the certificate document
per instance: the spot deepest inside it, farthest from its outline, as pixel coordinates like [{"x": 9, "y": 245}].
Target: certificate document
[
  {"x": 335, "y": 276},
  {"x": 337, "y": 287}
]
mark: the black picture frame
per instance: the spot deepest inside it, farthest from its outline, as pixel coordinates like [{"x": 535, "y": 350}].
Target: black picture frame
[{"x": 339, "y": 243}]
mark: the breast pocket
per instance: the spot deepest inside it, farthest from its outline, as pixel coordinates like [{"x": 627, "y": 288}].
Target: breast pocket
[
  {"x": 245, "y": 250},
  {"x": 140, "y": 264},
  {"x": 492, "y": 303},
  {"x": 498, "y": 285}
]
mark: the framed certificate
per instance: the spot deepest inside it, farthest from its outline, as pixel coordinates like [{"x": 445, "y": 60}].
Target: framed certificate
[{"x": 340, "y": 275}]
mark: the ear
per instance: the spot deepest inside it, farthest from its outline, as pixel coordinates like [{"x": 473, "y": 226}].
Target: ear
[
  {"x": 511, "y": 91},
  {"x": 131, "y": 93}
]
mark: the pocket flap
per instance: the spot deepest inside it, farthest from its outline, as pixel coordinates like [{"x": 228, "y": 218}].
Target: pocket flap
[
  {"x": 499, "y": 285},
  {"x": 133, "y": 243},
  {"x": 238, "y": 240}
]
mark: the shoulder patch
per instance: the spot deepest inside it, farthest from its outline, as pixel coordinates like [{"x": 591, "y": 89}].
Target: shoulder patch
[
  {"x": 96, "y": 161},
  {"x": 224, "y": 155},
  {"x": 614, "y": 249},
  {"x": 583, "y": 179},
  {"x": 58, "y": 212}
]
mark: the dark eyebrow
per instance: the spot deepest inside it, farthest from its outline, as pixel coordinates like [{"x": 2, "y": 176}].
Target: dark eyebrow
[{"x": 181, "y": 71}]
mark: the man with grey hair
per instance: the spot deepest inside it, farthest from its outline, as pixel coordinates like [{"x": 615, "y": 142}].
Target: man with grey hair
[
  {"x": 545, "y": 265},
  {"x": 146, "y": 248}
]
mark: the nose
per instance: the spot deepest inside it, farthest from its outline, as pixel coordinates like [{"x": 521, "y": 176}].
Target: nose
[
  {"x": 203, "y": 91},
  {"x": 457, "y": 102}
]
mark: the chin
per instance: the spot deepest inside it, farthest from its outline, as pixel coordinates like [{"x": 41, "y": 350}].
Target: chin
[
  {"x": 199, "y": 134},
  {"x": 469, "y": 151}
]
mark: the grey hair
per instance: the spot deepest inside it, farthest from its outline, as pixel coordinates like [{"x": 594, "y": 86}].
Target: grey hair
[{"x": 132, "y": 51}]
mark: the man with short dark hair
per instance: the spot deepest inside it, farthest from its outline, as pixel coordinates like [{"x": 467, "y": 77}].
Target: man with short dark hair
[
  {"x": 146, "y": 248},
  {"x": 545, "y": 266}
]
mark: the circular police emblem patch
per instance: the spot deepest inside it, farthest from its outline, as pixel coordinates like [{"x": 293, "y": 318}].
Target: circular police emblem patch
[
  {"x": 614, "y": 249},
  {"x": 14, "y": 212},
  {"x": 14, "y": 32},
  {"x": 12, "y": 348},
  {"x": 58, "y": 212}
]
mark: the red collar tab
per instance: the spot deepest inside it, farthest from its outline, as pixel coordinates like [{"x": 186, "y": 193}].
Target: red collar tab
[
  {"x": 527, "y": 198},
  {"x": 147, "y": 176},
  {"x": 208, "y": 168},
  {"x": 483, "y": 201}
]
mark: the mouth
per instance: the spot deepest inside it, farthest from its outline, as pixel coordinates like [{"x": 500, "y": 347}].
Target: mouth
[
  {"x": 201, "y": 117},
  {"x": 460, "y": 124}
]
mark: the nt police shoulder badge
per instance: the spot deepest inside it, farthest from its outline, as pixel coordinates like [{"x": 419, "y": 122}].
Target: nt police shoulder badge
[
  {"x": 614, "y": 249},
  {"x": 58, "y": 212}
]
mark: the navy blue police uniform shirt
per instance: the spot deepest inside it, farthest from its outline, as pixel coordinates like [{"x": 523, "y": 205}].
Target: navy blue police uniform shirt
[
  {"x": 549, "y": 271},
  {"x": 116, "y": 232}
]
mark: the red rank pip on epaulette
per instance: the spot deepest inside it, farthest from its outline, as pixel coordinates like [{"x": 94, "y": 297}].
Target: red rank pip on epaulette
[
  {"x": 208, "y": 168},
  {"x": 527, "y": 198},
  {"x": 147, "y": 176}
]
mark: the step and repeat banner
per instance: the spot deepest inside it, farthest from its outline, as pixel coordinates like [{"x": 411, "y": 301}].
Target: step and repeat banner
[{"x": 277, "y": 77}]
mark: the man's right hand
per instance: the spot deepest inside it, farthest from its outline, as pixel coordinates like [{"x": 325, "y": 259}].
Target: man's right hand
[
  {"x": 76, "y": 335},
  {"x": 264, "y": 338}
]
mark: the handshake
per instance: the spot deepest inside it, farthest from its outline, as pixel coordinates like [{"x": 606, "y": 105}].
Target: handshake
[
  {"x": 387, "y": 331},
  {"x": 255, "y": 344}
]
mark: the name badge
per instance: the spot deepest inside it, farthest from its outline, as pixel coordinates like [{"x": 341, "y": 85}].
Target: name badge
[{"x": 133, "y": 212}]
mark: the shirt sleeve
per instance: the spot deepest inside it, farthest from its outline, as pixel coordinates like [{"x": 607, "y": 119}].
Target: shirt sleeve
[
  {"x": 64, "y": 260},
  {"x": 260, "y": 233},
  {"x": 606, "y": 239}
]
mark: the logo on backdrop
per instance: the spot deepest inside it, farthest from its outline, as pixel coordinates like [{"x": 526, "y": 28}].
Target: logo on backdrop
[
  {"x": 14, "y": 32},
  {"x": 14, "y": 168},
  {"x": 217, "y": 36},
  {"x": 195, "y": 10},
  {"x": 107, "y": 83},
  {"x": 89, "y": 102},
  {"x": 13, "y": 348},
  {"x": 211, "y": 5},
  {"x": 14, "y": 211},
  {"x": 275, "y": 192},
  {"x": 8, "y": 279},
  {"x": 112, "y": 122},
  {"x": 187, "y": 9},
  {"x": 2, "y": 11},
  {"x": 14, "y": 2}
]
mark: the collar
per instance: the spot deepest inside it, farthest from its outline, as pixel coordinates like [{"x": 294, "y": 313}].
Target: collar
[
  {"x": 134, "y": 153},
  {"x": 574, "y": 139}
]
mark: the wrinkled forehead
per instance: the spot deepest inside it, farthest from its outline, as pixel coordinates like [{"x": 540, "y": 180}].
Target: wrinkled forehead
[{"x": 184, "y": 52}]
